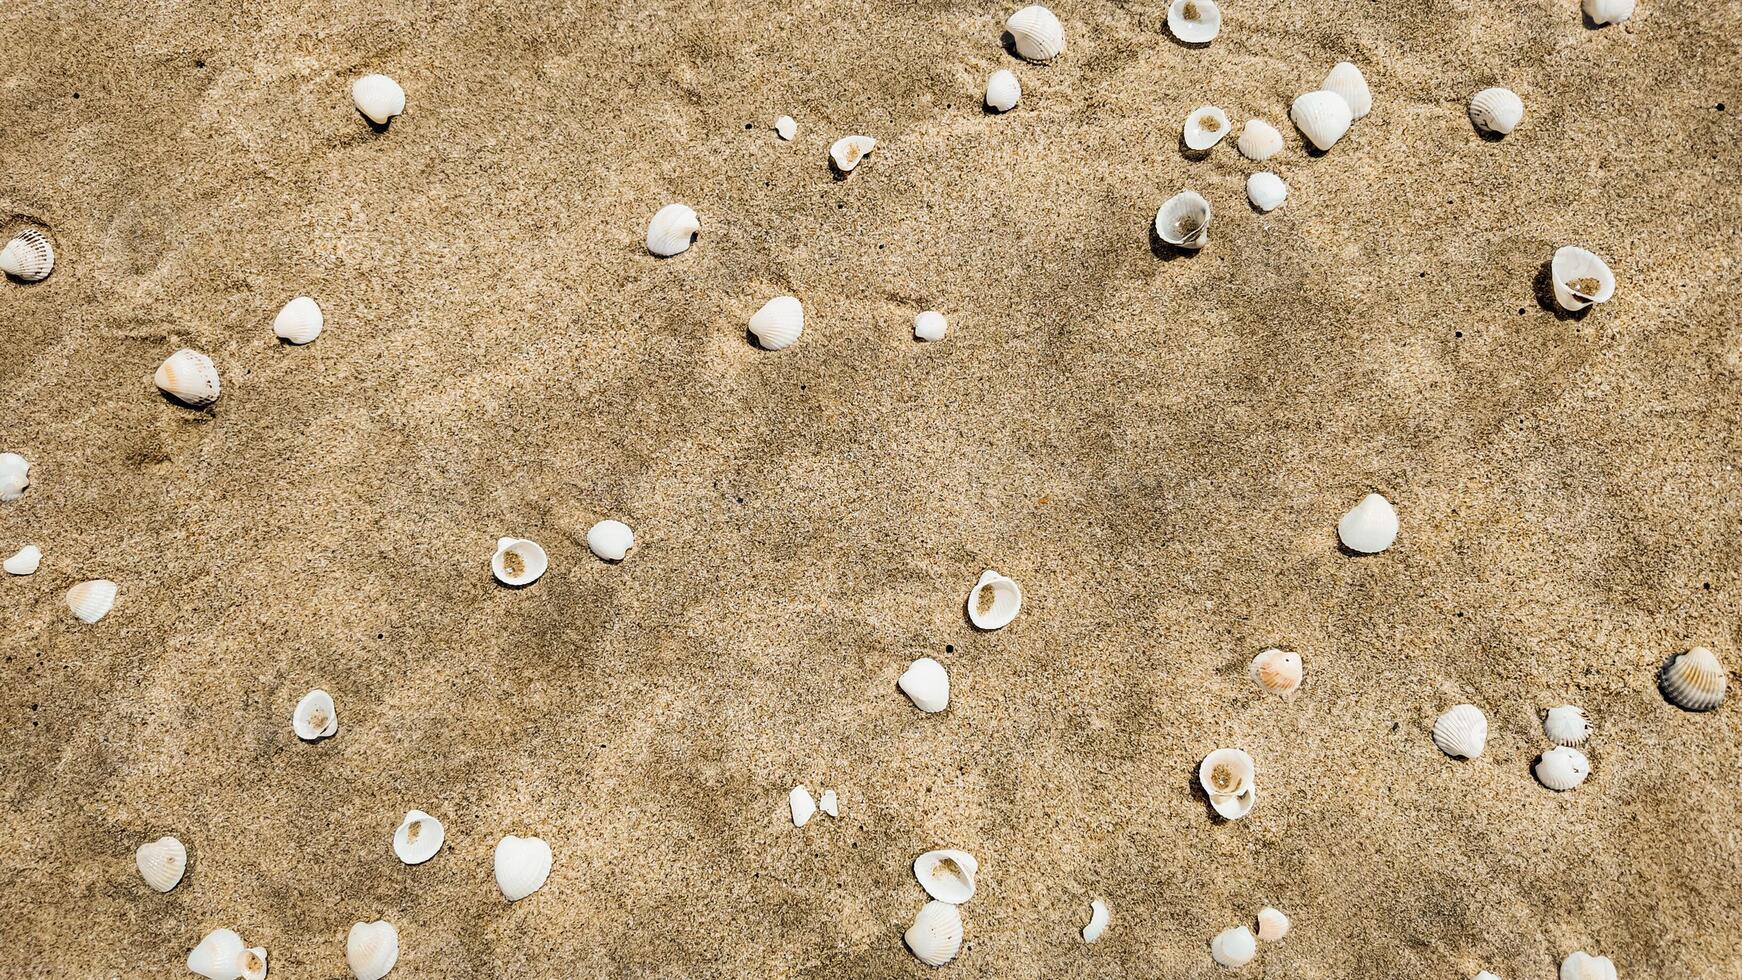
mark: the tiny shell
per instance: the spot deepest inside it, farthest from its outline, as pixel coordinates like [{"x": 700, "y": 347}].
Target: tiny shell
[
  {"x": 29, "y": 256},
  {"x": 1205, "y": 127},
  {"x": 610, "y": 540},
  {"x": 1694, "y": 680},
  {"x": 1347, "y": 81},
  {"x": 1038, "y": 34},
  {"x": 1183, "y": 221},
  {"x": 1561, "y": 768},
  {"x": 936, "y": 934},
  {"x": 672, "y": 230},
  {"x": 1259, "y": 140},
  {"x": 378, "y": 97},
  {"x": 1229, "y": 778},
  {"x": 518, "y": 561},
  {"x": 1580, "y": 278},
  {"x": 1098, "y": 918},
  {"x": 1003, "y": 90},
  {"x": 14, "y": 476},
  {"x": 778, "y": 323},
  {"x": 1609, "y": 12},
  {"x": 1266, "y": 191},
  {"x": 1235, "y": 946},
  {"x": 930, "y": 325},
  {"x": 1485, "y": 975},
  {"x": 161, "y": 862},
  {"x": 222, "y": 955},
  {"x": 830, "y": 803},
  {"x": 300, "y": 321},
  {"x": 1322, "y": 117},
  {"x": 1496, "y": 110},
  {"x": 189, "y": 376},
  {"x": 803, "y": 807},
  {"x": 927, "y": 684},
  {"x": 786, "y": 127},
  {"x": 947, "y": 875},
  {"x": 1462, "y": 731},
  {"x": 25, "y": 562},
  {"x": 1272, "y": 924},
  {"x": 418, "y": 837},
  {"x": 1566, "y": 725},
  {"x": 1371, "y": 527},
  {"x": 371, "y": 949},
  {"x": 994, "y": 601},
  {"x": 1583, "y": 966},
  {"x": 847, "y": 151},
  {"x": 91, "y": 601},
  {"x": 315, "y": 717},
  {"x": 522, "y": 865},
  {"x": 1194, "y": 21},
  {"x": 1277, "y": 671}
]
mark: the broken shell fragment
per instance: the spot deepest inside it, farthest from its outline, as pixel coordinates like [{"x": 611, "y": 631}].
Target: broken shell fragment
[
  {"x": 1205, "y": 127},
  {"x": 1266, "y": 191},
  {"x": 926, "y": 684},
  {"x": 1277, "y": 671},
  {"x": 778, "y": 324},
  {"x": 1003, "y": 90},
  {"x": 929, "y": 326},
  {"x": 378, "y": 97},
  {"x": 610, "y": 540},
  {"x": 1583, "y": 966},
  {"x": 803, "y": 807},
  {"x": 1259, "y": 140},
  {"x": 1347, "y": 81},
  {"x": 1694, "y": 681},
  {"x": 1496, "y": 110},
  {"x": 518, "y": 561},
  {"x": 91, "y": 601},
  {"x": 786, "y": 127},
  {"x": 1566, "y": 725},
  {"x": 830, "y": 803},
  {"x": 14, "y": 476},
  {"x": 1272, "y": 924},
  {"x": 418, "y": 837},
  {"x": 25, "y": 562},
  {"x": 994, "y": 601},
  {"x": 1038, "y": 34},
  {"x": 1462, "y": 732},
  {"x": 1580, "y": 278},
  {"x": 847, "y": 151},
  {"x": 300, "y": 321},
  {"x": 672, "y": 230},
  {"x": 1229, "y": 778},
  {"x": 1098, "y": 918},
  {"x": 936, "y": 934},
  {"x": 371, "y": 949},
  {"x": 1183, "y": 221},
  {"x": 315, "y": 717},
  {"x": 1562, "y": 768},
  {"x": 222, "y": 955},
  {"x": 189, "y": 376},
  {"x": 161, "y": 863},
  {"x": 947, "y": 875},
  {"x": 522, "y": 865},
  {"x": 1194, "y": 21},
  {"x": 1371, "y": 527},
  {"x": 1609, "y": 12},
  {"x": 1322, "y": 117},
  {"x": 1234, "y": 946},
  {"x": 29, "y": 256}
]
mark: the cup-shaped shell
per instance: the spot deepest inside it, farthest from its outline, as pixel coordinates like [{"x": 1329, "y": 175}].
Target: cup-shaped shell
[
  {"x": 1266, "y": 191},
  {"x": 1567, "y": 725},
  {"x": 846, "y": 152},
  {"x": 222, "y": 955},
  {"x": 994, "y": 601},
  {"x": 803, "y": 807},
  {"x": 1230, "y": 779},
  {"x": 1003, "y": 90},
  {"x": 1098, "y": 919},
  {"x": 300, "y": 320},
  {"x": 610, "y": 540},
  {"x": 1235, "y": 946},
  {"x": 1259, "y": 140},
  {"x": 1347, "y": 81},
  {"x": 672, "y": 229},
  {"x": 14, "y": 476},
  {"x": 786, "y": 127},
  {"x": 91, "y": 601},
  {"x": 518, "y": 561},
  {"x": 1322, "y": 117},
  {"x": 1277, "y": 671},
  {"x": 25, "y": 562},
  {"x": 1694, "y": 681},
  {"x": 418, "y": 837},
  {"x": 1037, "y": 32},
  {"x": 926, "y": 684},
  {"x": 1462, "y": 732},
  {"x": 1205, "y": 127},
  {"x": 947, "y": 875},
  {"x": 930, "y": 326},
  {"x": 1184, "y": 221},
  {"x": 315, "y": 717},
  {"x": 1369, "y": 528},
  {"x": 522, "y": 865},
  {"x": 1583, "y": 966},
  {"x": 378, "y": 97},
  {"x": 1562, "y": 768},
  {"x": 1194, "y": 21},
  {"x": 161, "y": 862},
  {"x": 189, "y": 376},
  {"x": 1580, "y": 278},
  {"x": 936, "y": 934},
  {"x": 1272, "y": 924},
  {"x": 1609, "y": 11},
  {"x": 371, "y": 949},
  {"x": 1496, "y": 110},
  {"x": 778, "y": 324},
  {"x": 29, "y": 256}
]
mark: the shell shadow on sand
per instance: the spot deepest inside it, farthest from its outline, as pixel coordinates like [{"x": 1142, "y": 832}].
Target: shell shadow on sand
[{"x": 1543, "y": 289}]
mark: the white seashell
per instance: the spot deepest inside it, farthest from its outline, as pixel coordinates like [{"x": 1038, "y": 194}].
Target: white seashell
[
  {"x": 1003, "y": 90},
  {"x": 1371, "y": 527},
  {"x": 1609, "y": 11},
  {"x": 189, "y": 376},
  {"x": 1694, "y": 680},
  {"x": 1230, "y": 779},
  {"x": 610, "y": 540},
  {"x": 28, "y": 256},
  {"x": 14, "y": 476},
  {"x": 779, "y": 322},
  {"x": 1462, "y": 731},
  {"x": 1580, "y": 278},
  {"x": 1194, "y": 21},
  {"x": 1496, "y": 110},
  {"x": 1098, "y": 918},
  {"x": 936, "y": 934},
  {"x": 25, "y": 562},
  {"x": 947, "y": 876},
  {"x": 315, "y": 717},
  {"x": 522, "y": 865},
  {"x": 1322, "y": 117},
  {"x": 1234, "y": 947},
  {"x": 786, "y": 127},
  {"x": 994, "y": 601},
  {"x": 1205, "y": 127},
  {"x": 1347, "y": 81},
  {"x": 1277, "y": 671},
  {"x": 1038, "y": 34},
  {"x": 300, "y": 321},
  {"x": 1583, "y": 966},
  {"x": 91, "y": 601},
  {"x": 930, "y": 325},
  {"x": 803, "y": 807},
  {"x": 830, "y": 803},
  {"x": 1266, "y": 191},
  {"x": 1561, "y": 768},
  {"x": 418, "y": 837},
  {"x": 1272, "y": 924},
  {"x": 847, "y": 151},
  {"x": 1259, "y": 140},
  {"x": 222, "y": 955},
  {"x": 1485, "y": 975},
  {"x": 927, "y": 684},
  {"x": 378, "y": 97},
  {"x": 1566, "y": 725},
  {"x": 672, "y": 230},
  {"x": 161, "y": 862},
  {"x": 518, "y": 561},
  {"x": 371, "y": 949},
  {"x": 1184, "y": 221}
]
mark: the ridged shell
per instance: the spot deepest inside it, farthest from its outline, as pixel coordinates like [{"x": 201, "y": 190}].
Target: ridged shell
[
  {"x": 1235, "y": 946},
  {"x": 1272, "y": 924},
  {"x": 418, "y": 837},
  {"x": 936, "y": 934},
  {"x": 300, "y": 321},
  {"x": 778, "y": 323},
  {"x": 1496, "y": 110},
  {"x": 1322, "y": 117},
  {"x": 1266, "y": 191},
  {"x": 1194, "y": 21},
  {"x": 25, "y": 562},
  {"x": 1259, "y": 140},
  {"x": 518, "y": 561},
  {"x": 1277, "y": 671},
  {"x": 846, "y": 152},
  {"x": 222, "y": 955},
  {"x": 994, "y": 601},
  {"x": 1566, "y": 725},
  {"x": 1183, "y": 221},
  {"x": 672, "y": 230},
  {"x": 947, "y": 875},
  {"x": 315, "y": 717},
  {"x": 930, "y": 326},
  {"x": 1038, "y": 34},
  {"x": 91, "y": 601},
  {"x": 926, "y": 684},
  {"x": 1230, "y": 779},
  {"x": 29, "y": 256},
  {"x": 1098, "y": 919},
  {"x": 803, "y": 807},
  {"x": 1694, "y": 680},
  {"x": 161, "y": 863},
  {"x": 378, "y": 97},
  {"x": 1370, "y": 527},
  {"x": 14, "y": 476},
  {"x": 610, "y": 540},
  {"x": 1003, "y": 90},
  {"x": 1347, "y": 81},
  {"x": 522, "y": 865},
  {"x": 1462, "y": 731},
  {"x": 1583, "y": 966},
  {"x": 1580, "y": 278},
  {"x": 1205, "y": 127},
  {"x": 786, "y": 127},
  {"x": 1609, "y": 11},
  {"x": 371, "y": 949},
  {"x": 1561, "y": 768},
  {"x": 189, "y": 376}
]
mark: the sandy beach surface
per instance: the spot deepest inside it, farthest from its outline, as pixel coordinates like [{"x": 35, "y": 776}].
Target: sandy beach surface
[{"x": 1157, "y": 447}]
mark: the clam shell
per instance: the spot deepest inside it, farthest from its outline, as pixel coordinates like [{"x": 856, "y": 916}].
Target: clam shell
[
  {"x": 846, "y": 152},
  {"x": 1566, "y": 725},
  {"x": 1371, "y": 527},
  {"x": 91, "y": 601},
  {"x": 1562, "y": 768},
  {"x": 315, "y": 717},
  {"x": 1496, "y": 110},
  {"x": 189, "y": 376},
  {"x": 1693, "y": 680},
  {"x": 1235, "y": 946},
  {"x": 1194, "y": 21},
  {"x": 803, "y": 807},
  {"x": 371, "y": 949},
  {"x": 994, "y": 601},
  {"x": 947, "y": 875},
  {"x": 1277, "y": 671},
  {"x": 222, "y": 955},
  {"x": 14, "y": 476},
  {"x": 1183, "y": 221},
  {"x": 786, "y": 127},
  {"x": 1583, "y": 966},
  {"x": 1609, "y": 11},
  {"x": 1003, "y": 90},
  {"x": 29, "y": 256},
  {"x": 1038, "y": 34},
  {"x": 927, "y": 684},
  {"x": 1230, "y": 779},
  {"x": 930, "y": 326},
  {"x": 610, "y": 540},
  {"x": 1272, "y": 924},
  {"x": 300, "y": 320},
  {"x": 936, "y": 934},
  {"x": 518, "y": 561},
  {"x": 378, "y": 97},
  {"x": 1322, "y": 117},
  {"x": 25, "y": 562},
  {"x": 161, "y": 863},
  {"x": 1098, "y": 919},
  {"x": 778, "y": 324},
  {"x": 830, "y": 803},
  {"x": 418, "y": 837},
  {"x": 1266, "y": 191},
  {"x": 1347, "y": 81},
  {"x": 1259, "y": 140},
  {"x": 1462, "y": 731},
  {"x": 1205, "y": 127},
  {"x": 522, "y": 865},
  {"x": 1580, "y": 278},
  {"x": 672, "y": 230}
]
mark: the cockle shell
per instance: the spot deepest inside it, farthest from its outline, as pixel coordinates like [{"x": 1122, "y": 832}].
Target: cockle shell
[
  {"x": 1230, "y": 779},
  {"x": 1259, "y": 140},
  {"x": 1272, "y": 924},
  {"x": 610, "y": 540},
  {"x": 930, "y": 326},
  {"x": 1609, "y": 11},
  {"x": 25, "y": 562},
  {"x": 14, "y": 476},
  {"x": 786, "y": 127},
  {"x": 315, "y": 717},
  {"x": 994, "y": 601},
  {"x": 1566, "y": 725},
  {"x": 29, "y": 256},
  {"x": 936, "y": 934},
  {"x": 947, "y": 875},
  {"x": 1205, "y": 127},
  {"x": 518, "y": 561},
  {"x": 803, "y": 807},
  {"x": 847, "y": 151},
  {"x": 1580, "y": 278},
  {"x": 189, "y": 376},
  {"x": 91, "y": 601},
  {"x": 222, "y": 955},
  {"x": 672, "y": 230},
  {"x": 1277, "y": 671},
  {"x": 1184, "y": 221},
  {"x": 1098, "y": 918},
  {"x": 418, "y": 837},
  {"x": 1694, "y": 680},
  {"x": 161, "y": 862},
  {"x": 1371, "y": 527},
  {"x": 522, "y": 865},
  {"x": 1038, "y": 34},
  {"x": 1235, "y": 946},
  {"x": 378, "y": 97},
  {"x": 927, "y": 684},
  {"x": 778, "y": 324},
  {"x": 1496, "y": 110},
  {"x": 1462, "y": 731},
  {"x": 1322, "y": 117},
  {"x": 1347, "y": 81},
  {"x": 1583, "y": 966},
  {"x": 1266, "y": 191},
  {"x": 1003, "y": 90},
  {"x": 830, "y": 803},
  {"x": 300, "y": 321},
  {"x": 371, "y": 949},
  {"x": 1194, "y": 21},
  {"x": 1562, "y": 768}
]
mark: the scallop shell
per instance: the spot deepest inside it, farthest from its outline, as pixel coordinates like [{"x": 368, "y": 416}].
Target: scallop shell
[
  {"x": 29, "y": 256},
  {"x": 786, "y": 127},
  {"x": 846, "y": 152},
  {"x": 1694, "y": 680},
  {"x": 1347, "y": 81},
  {"x": 1277, "y": 671},
  {"x": 1184, "y": 221},
  {"x": 1580, "y": 278},
  {"x": 1322, "y": 117},
  {"x": 1038, "y": 34},
  {"x": 1234, "y": 946},
  {"x": 830, "y": 803},
  {"x": 315, "y": 717},
  {"x": 936, "y": 934},
  {"x": 1566, "y": 725},
  {"x": 1609, "y": 11},
  {"x": 378, "y": 97},
  {"x": 672, "y": 230},
  {"x": 994, "y": 601},
  {"x": 1098, "y": 919},
  {"x": 1266, "y": 191},
  {"x": 610, "y": 540},
  {"x": 778, "y": 324},
  {"x": 1205, "y": 127},
  {"x": 14, "y": 476},
  {"x": 927, "y": 684},
  {"x": 930, "y": 326},
  {"x": 1370, "y": 527},
  {"x": 947, "y": 875},
  {"x": 1230, "y": 779},
  {"x": 161, "y": 863},
  {"x": 803, "y": 807},
  {"x": 1194, "y": 21},
  {"x": 1003, "y": 90},
  {"x": 1583, "y": 966},
  {"x": 1561, "y": 768},
  {"x": 222, "y": 955},
  {"x": 518, "y": 561},
  {"x": 371, "y": 949},
  {"x": 1272, "y": 924},
  {"x": 1462, "y": 731},
  {"x": 418, "y": 837},
  {"x": 522, "y": 865},
  {"x": 300, "y": 321},
  {"x": 1496, "y": 110},
  {"x": 189, "y": 376},
  {"x": 25, "y": 562},
  {"x": 91, "y": 601},
  {"x": 1259, "y": 140}
]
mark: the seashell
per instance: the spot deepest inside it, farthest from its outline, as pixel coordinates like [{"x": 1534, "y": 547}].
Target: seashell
[
  {"x": 1277, "y": 671},
  {"x": 522, "y": 865},
  {"x": 1561, "y": 768},
  {"x": 1694, "y": 680},
  {"x": 1184, "y": 221},
  {"x": 1098, "y": 918},
  {"x": 610, "y": 540},
  {"x": 1609, "y": 11},
  {"x": 927, "y": 684},
  {"x": 830, "y": 804},
  {"x": 189, "y": 376},
  {"x": 779, "y": 322},
  {"x": 161, "y": 863},
  {"x": 1566, "y": 725},
  {"x": 947, "y": 876},
  {"x": 1235, "y": 946},
  {"x": 1322, "y": 117},
  {"x": 222, "y": 955},
  {"x": 91, "y": 601},
  {"x": 673, "y": 229},
  {"x": 1485, "y": 975},
  {"x": 929, "y": 325},
  {"x": 994, "y": 601},
  {"x": 1266, "y": 191},
  {"x": 1205, "y": 127},
  {"x": 936, "y": 934},
  {"x": 1272, "y": 924},
  {"x": 1496, "y": 110},
  {"x": 1462, "y": 731},
  {"x": 371, "y": 949},
  {"x": 300, "y": 321},
  {"x": 1259, "y": 140},
  {"x": 1370, "y": 527},
  {"x": 418, "y": 837},
  {"x": 378, "y": 97},
  {"x": 1583, "y": 966},
  {"x": 1580, "y": 278},
  {"x": 28, "y": 256},
  {"x": 1194, "y": 21},
  {"x": 847, "y": 151},
  {"x": 786, "y": 127},
  {"x": 315, "y": 717},
  {"x": 25, "y": 562},
  {"x": 518, "y": 561},
  {"x": 14, "y": 476},
  {"x": 1230, "y": 779},
  {"x": 1003, "y": 90},
  {"x": 1038, "y": 34},
  {"x": 803, "y": 807},
  {"x": 1347, "y": 81}
]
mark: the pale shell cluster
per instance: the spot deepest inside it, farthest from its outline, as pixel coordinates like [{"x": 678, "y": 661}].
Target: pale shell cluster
[
  {"x": 948, "y": 877},
  {"x": 1236, "y": 946},
  {"x": 804, "y": 806}
]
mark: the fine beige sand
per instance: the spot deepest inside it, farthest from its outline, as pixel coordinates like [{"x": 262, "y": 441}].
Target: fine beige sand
[{"x": 1156, "y": 447}]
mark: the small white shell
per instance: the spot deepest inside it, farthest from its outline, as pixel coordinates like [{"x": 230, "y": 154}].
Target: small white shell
[
  {"x": 994, "y": 601},
  {"x": 91, "y": 601},
  {"x": 1272, "y": 924},
  {"x": 1580, "y": 278},
  {"x": 803, "y": 807},
  {"x": 1583, "y": 966},
  {"x": 14, "y": 476},
  {"x": 222, "y": 955},
  {"x": 778, "y": 323},
  {"x": 1098, "y": 919},
  {"x": 1694, "y": 680},
  {"x": 1485, "y": 975},
  {"x": 315, "y": 717},
  {"x": 1496, "y": 110},
  {"x": 847, "y": 151},
  {"x": 930, "y": 325},
  {"x": 610, "y": 540},
  {"x": 926, "y": 684},
  {"x": 1266, "y": 191},
  {"x": 1566, "y": 725},
  {"x": 1462, "y": 731},
  {"x": 161, "y": 862},
  {"x": 672, "y": 230},
  {"x": 1347, "y": 81},
  {"x": 1234, "y": 946},
  {"x": 1194, "y": 21},
  {"x": 378, "y": 97},
  {"x": 786, "y": 127},
  {"x": 1277, "y": 671},
  {"x": 1370, "y": 527},
  {"x": 947, "y": 875},
  {"x": 1322, "y": 117},
  {"x": 1183, "y": 221},
  {"x": 189, "y": 376},
  {"x": 830, "y": 803},
  {"x": 1561, "y": 768},
  {"x": 29, "y": 256},
  {"x": 1003, "y": 90},
  {"x": 1609, "y": 12},
  {"x": 1259, "y": 140},
  {"x": 418, "y": 837},
  {"x": 518, "y": 561},
  {"x": 936, "y": 934},
  {"x": 522, "y": 865},
  {"x": 371, "y": 949},
  {"x": 1230, "y": 779},
  {"x": 300, "y": 321},
  {"x": 1038, "y": 34},
  {"x": 25, "y": 562},
  {"x": 1205, "y": 127}
]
